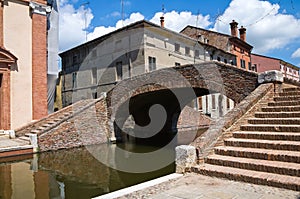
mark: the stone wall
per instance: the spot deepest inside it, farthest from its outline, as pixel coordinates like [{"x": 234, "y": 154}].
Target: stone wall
[{"x": 86, "y": 128}]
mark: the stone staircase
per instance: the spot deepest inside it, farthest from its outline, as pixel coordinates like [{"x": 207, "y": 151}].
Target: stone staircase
[
  {"x": 266, "y": 150},
  {"x": 53, "y": 120}
]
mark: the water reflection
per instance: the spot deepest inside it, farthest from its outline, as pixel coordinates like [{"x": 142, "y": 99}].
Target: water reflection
[{"x": 73, "y": 173}]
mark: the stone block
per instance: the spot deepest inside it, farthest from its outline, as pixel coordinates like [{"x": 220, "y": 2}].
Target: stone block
[
  {"x": 270, "y": 76},
  {"x": 11, "y": 134},
  {"x": 185, "y": 157}
]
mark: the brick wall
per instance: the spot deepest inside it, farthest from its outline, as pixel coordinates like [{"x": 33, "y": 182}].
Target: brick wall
[
  {"x": 39, "y": 66},
  {"x": 264, "y": 64}
]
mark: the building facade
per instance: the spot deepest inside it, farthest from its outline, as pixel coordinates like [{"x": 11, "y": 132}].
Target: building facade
[
  {"x": 264, "y": 63},
  {"x": 23, "y": 63},
  {"x": 228, "y": 43},
  {"x": 98, "y": 65}
]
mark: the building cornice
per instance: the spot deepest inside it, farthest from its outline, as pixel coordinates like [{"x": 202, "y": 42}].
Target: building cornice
[{"x": 38, "y": 8}]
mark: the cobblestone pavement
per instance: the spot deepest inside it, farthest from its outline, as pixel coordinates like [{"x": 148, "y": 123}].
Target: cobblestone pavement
[{"x": 197, "y": 186}]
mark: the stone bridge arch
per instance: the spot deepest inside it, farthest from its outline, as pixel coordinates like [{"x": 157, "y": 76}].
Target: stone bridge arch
[{"x": 173, "y": 88}]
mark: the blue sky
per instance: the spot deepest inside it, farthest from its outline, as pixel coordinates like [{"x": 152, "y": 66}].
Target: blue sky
[{"x": 273, "y": 26}]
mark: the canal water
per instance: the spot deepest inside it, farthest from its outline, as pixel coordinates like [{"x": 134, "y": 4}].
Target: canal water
[
  {"x": 86, "y": 172},
  {"x": 74, "y": 173}
]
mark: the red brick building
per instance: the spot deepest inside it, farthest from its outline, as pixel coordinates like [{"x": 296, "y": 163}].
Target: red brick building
[
  {"x": 229, "y": 43},
  {"x": 263, "y": 63},
  {"x": 23, "y": 62}
]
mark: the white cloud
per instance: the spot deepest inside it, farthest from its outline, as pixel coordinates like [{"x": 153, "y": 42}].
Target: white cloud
[
  {"x": 102, "y": 30},
  {"x": 177, "y": 21},
  {"x": 267, "y": 29},
  {"x": 296, "y": 54},
  {"x": 72, "y": 24}
]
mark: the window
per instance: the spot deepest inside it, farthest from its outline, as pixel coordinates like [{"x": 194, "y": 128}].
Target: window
[
  {"x": 228, "y": 103},
  {"x": 94, "y": 95},
  {"x": 213, "y": 101},
  {"x": 75, "y": 59},
  {"x": 187, "y": 51},
  {"x": 225, "y": 61},
  {"x": 200, "y": 103},
  {"x": 119, "y": 71},
  {"x": 243, "y": 63},
  {"x": 177, "y": 64},
  {"x": 211, "y": 56},
  {"x": 94, "y": 75},
  {"x": 177, "y": 47},
  {"x": 197, "y": 54},
  {"x": 249, "y": 65},
  {"x": 74, "y": 80},
  {"x": 152, "y": 63},
  {"x": 218, "y": 58}
]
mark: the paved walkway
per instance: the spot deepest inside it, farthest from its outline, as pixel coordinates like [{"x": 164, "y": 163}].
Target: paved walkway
[
  {"x": 197, "y": 186},
  {"x": 5, "y": 142}
]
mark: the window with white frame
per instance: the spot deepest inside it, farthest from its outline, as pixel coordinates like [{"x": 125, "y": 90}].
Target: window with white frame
[
  {"x": 187, "y": 51},
  {"x": 152, "y": 63},
  {"x": 177, "y": 47}
]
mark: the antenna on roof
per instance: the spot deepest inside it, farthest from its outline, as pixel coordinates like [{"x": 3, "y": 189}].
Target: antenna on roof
[{"x": 122, "y": 7}]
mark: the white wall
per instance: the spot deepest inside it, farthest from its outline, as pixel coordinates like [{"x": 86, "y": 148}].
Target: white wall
[{"x": 18, "y": 40}]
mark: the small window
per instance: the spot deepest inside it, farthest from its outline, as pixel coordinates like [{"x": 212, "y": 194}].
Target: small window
[
  {"x": 225, "y": 61},
  {"x": 187, "y": 51},
  {"x": 218, "y": 58},
  {"x": 177, "y": 64},
  {"x": 197, "y": 54},
  {"x": 94, "y": 75},
  {"x": 177, "y": 47},
  {"x": 249, "y": 66},
  {"x": 213, "y": 102},
  {"x": 94, "y": 95},
  {"x": 243, "y": 63},
  {"x": 152, "y": 63},
  {"x": 74, "y": 80},
  {"x": 200, "y": 104},
  {"x": 211, "y": 56},
  {"x": 119, "y": 71},
  {"x": 228, "y": 103},
  {"x": 75, "y": 59}
]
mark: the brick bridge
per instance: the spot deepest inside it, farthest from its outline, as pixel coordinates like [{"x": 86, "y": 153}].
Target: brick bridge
[{"x": 172, "y": 88}]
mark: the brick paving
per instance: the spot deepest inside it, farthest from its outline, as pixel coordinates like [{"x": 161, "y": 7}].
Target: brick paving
[{"x": 195, "y": 186}]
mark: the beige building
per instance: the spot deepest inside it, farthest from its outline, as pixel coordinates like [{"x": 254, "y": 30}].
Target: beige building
[
  {"x": 97, "y": 66},
  {"x": 23, "y": 63}
]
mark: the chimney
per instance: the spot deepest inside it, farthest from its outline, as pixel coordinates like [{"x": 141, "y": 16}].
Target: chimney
[
  {"x": 234, "y": 28},
  {"x": 162, "y": 21},
  {"x": 243, "y": 33}
]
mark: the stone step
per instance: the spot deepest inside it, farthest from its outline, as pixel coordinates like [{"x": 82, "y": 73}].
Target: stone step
[
  {"x": 25, "y": 138},
  {"x": 256, "y": 177},
  {"x": 35, "y": 131},
  {"x": 287, "y": 98},
  {"x": 284, "y": 103},
  {"x": 292, "y": 89},
  {"x": 288, "y": 121},
  {"x": 267, "y": 135},
  {"x": 289, "y": 93},
  {"x": 280, "y": 109},
  {"x": 283, "y": 168},
  {"x": 277, "y": 114},
  {"x": 265, "y": 144},
  {"x": 257, "y": 153},
  {"x": 270, "y": 127}
]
